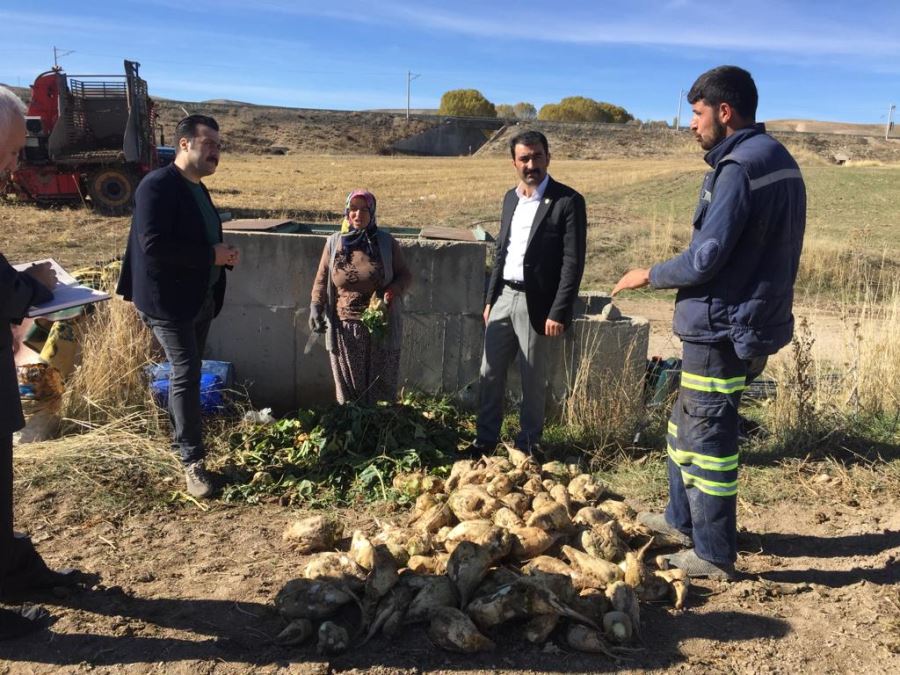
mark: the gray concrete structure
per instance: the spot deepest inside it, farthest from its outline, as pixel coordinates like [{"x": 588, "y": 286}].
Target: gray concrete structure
[
  {"x": 263, "y": 326},
  {"x": 455, "y": 136}
]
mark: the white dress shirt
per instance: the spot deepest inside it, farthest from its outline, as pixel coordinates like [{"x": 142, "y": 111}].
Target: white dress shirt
[{"x": 520, "y": 229}]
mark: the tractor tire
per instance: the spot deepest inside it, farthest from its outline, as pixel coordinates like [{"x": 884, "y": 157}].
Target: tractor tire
[{"x": 111, "y": 190}]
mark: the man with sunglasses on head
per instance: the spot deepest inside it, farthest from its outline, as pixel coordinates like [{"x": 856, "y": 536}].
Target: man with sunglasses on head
[{"x": 174, "y": 272}]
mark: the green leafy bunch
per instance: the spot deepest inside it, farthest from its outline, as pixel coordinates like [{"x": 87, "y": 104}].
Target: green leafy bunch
[
  {"x": 375, "y": 318},
  {"x": 344, "y": 454}
]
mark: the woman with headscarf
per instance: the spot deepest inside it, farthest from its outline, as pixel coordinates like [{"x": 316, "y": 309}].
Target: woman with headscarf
[{"x": 357, "y": 263}]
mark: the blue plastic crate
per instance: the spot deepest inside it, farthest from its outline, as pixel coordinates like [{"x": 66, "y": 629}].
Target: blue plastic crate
[{"x": 216, "y": 378}]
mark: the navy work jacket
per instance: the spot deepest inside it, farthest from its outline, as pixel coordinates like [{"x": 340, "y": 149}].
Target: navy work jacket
[{"x": 735, "y": 280}]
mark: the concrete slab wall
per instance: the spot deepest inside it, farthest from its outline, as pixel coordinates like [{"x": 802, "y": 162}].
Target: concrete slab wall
[
  {"x": 263, "y": 326},
  {"x": 450, "y": 139}
]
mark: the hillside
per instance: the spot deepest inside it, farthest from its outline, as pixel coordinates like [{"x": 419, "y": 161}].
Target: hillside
[
  {"x": 264, "y": 129},
  {"x": 606, "y": 141},
  {"x": 255, "y": 129},
  {"x": 819, "y": 127}
]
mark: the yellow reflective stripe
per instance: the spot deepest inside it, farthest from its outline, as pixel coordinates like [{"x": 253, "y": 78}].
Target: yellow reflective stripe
[
  {"x": 708, "y": 462},
  {"x": 720, "y": 385},
  {"x": 673, "y": 428},
  {"x": 710, "y": 487}
]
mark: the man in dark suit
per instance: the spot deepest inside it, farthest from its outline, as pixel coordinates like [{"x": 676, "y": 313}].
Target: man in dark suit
[
  {"x": 174, "y": 273},
  {"x": 22, "y": 569},
  {"x": 531, "y": 295}
]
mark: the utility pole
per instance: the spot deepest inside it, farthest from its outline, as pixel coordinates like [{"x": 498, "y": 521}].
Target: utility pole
[
  {"x": 58, "y": 53},
  {"x": 410, "y": 76},
  {"x": 890, "y": 121},
  {"x": 678, "y": 114}
]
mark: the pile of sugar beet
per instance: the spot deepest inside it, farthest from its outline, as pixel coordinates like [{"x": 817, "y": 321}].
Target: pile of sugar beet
[{"x": 503, "y": 544}]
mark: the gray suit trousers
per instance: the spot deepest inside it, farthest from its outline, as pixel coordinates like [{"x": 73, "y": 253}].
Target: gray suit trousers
[{"x": 509, "y": 334}]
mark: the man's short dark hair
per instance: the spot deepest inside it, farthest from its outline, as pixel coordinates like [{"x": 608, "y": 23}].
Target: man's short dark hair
[
  {"x": 727, "y": 84},
  {"x": 528, "y": 138},
  {"x": 187, "y": 128}
]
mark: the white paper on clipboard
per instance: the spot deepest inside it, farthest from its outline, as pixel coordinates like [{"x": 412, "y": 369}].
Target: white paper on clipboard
[{"x": 67, "y": 293}]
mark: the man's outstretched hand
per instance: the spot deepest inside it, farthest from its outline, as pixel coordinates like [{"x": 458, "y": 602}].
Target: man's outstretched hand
[{"x": 636, "y": 278}]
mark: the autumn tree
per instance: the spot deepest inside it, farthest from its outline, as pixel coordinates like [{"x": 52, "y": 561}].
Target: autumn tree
[
  {"x": 525, "y": 111},
  {"x": 505, "y": 110},
  {"x": 466, "y": 103},
  {"x": 583, "y": 109}
]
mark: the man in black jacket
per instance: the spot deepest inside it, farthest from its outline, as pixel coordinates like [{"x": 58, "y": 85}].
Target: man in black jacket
[
  {"x": 532, "y": 291},
  {"x": 21, "y": 568},
  {"x": 174, "y": 273}
]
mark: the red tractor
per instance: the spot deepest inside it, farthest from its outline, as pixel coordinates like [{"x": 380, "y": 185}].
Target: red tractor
[{"x": 89, "y": 137}]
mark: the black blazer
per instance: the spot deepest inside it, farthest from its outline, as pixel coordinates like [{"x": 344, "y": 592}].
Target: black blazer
[
  {"x": 167, "y": 262},
  {"x": 554, "y": 258},
  {"x": 18, "y": 292}
]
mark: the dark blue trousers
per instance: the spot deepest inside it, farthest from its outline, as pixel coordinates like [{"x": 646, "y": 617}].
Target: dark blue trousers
[
  {"x": 184, "y": 342},
  {"x": 702, "y": 444}
]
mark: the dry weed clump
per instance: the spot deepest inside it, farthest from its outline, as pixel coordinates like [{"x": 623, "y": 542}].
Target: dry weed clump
[
  {"x": 605, "y": 405},
  {"x": 818, "y": 398},
  {"x": 117, "y": 461},
  {"x": 872, "y": 386},
  {"x": 848, "y": 273},
  {"x": 110, "y": 383},
  {"x": 113, "y": 447}
]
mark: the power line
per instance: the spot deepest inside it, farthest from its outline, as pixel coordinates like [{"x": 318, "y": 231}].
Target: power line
[
  {"x": 57, "y": 53},
  {"x": 410, "y": 76},
  {"x": 678, "y": 114}
]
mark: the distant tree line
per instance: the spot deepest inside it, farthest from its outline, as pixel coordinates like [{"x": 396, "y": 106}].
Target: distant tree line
[{"x": 472, "y": 103}]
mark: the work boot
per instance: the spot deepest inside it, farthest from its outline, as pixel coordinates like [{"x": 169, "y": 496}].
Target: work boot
[
  {"x": 476, "y": 450},
  {"x": 16, "y": 624},
  {"x": 695, "y": 566},
  {"x": 658, "y": 524},
  {"x": 199, "y": 482}
]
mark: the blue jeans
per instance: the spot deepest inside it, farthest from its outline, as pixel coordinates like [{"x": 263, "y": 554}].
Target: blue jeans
[
  {"x": 702, "y": 444},
  {"x": 184, "y": 342}
]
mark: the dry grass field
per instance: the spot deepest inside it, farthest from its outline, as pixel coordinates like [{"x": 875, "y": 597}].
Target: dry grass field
[
  {"x": 188, "y": 589},
  {"x": 638, "y": 209}
]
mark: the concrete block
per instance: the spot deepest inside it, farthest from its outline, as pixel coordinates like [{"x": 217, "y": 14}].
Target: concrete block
[
  {"x": 262, "y": 344},
  {"x": 422, "y": 355},
  {"x": 591, "y": 302},
  {"x": 263, "y": 326},
  {"x": 448, "y": 277},
  {"x": 275, "y": 269},
  {"x": 464, "y": 343}
]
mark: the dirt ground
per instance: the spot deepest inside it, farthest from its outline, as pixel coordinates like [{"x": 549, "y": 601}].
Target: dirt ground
[{"x": 190, "y": 591}]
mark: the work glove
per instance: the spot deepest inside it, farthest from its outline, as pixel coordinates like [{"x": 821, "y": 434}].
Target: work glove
[{"x": 316, "y": 319}]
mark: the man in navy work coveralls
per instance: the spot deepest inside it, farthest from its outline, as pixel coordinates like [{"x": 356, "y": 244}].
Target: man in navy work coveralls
[{"x": 735, "y": 286}]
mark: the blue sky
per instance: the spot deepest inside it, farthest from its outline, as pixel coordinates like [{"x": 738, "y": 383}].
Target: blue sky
[{"x": 823, "y": 60}]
